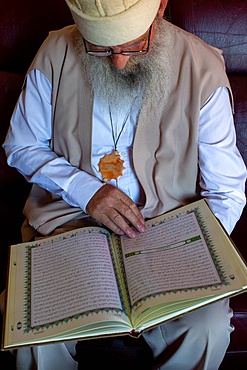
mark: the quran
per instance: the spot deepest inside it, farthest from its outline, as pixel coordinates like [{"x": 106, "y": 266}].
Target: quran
[{"x": 90, "y": 283}]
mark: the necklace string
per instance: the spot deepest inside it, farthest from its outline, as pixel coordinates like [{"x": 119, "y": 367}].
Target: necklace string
[{"x": 115, "y": 140}]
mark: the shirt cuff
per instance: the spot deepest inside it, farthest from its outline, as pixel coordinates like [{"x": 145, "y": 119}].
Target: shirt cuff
[{"x": 81, "y": 189}]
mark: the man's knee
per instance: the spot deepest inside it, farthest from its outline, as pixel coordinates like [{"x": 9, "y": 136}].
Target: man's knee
[
  {"x": 213, "y": 320},
  {"x": 194, "y": 341}
]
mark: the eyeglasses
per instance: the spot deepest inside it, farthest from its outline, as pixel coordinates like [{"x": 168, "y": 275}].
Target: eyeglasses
[{"x": 106, "y": 52}]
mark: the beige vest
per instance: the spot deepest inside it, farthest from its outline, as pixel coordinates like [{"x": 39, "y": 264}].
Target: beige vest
[{"x": 166, "y": 142}]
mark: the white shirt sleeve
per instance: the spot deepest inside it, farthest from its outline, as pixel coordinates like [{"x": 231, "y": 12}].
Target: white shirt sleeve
[
  {"x": 27, "y": 146},
  {"x": 222, "y": 170}
]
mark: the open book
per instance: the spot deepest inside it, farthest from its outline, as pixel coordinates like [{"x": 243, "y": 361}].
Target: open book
[{"x": 89, "y": 283}]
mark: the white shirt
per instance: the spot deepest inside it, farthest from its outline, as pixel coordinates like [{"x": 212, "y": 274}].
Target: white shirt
[{"x": 27, "y": 146}]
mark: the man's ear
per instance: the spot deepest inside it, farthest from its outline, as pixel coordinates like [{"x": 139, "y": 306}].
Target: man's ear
[{"x": 161, "y": 10}]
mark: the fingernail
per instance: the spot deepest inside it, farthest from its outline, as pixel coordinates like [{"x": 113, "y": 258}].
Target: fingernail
[
  {"x": 141, "y": 228},
  {"x": 132, "y": 234}
]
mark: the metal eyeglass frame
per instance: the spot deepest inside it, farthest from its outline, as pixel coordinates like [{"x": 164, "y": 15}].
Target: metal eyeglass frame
[{"x": 109, "y": 51}]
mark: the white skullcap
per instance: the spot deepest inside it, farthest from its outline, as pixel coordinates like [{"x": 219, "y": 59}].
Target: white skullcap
[{"x": 113, "y": 22}]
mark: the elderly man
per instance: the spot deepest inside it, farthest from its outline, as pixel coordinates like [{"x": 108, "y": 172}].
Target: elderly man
[{"x": 122, "y": 117}]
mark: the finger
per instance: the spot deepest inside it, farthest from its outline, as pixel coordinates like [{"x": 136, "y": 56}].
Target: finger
[
  {"x": 133, "y": 210},
  {"x": 115, "y": 222},
  {"x": 115, "y": 210},
  {"x": 121, "y": 216},
  {"x": 128, "y": 214},
  {"x": 118, "y": 221}
]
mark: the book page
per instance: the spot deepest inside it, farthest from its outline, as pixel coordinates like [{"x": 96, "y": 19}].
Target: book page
[
  {"x": 169, "y": 257},
  {"x": 71, "y": 275},
  {"x": 182, "y": 262}
]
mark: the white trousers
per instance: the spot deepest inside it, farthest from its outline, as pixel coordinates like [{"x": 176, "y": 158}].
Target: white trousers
[{"x": 196, "y": 341}]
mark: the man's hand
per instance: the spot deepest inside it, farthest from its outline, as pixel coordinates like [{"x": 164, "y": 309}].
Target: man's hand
[{"x": 115, "y": 210}]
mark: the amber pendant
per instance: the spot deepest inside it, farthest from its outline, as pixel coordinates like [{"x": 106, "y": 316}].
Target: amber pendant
[{"x": 111, "y": 166}]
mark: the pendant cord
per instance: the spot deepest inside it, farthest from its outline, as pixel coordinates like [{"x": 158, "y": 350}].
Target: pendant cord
[{"x": 115, "y": 141}]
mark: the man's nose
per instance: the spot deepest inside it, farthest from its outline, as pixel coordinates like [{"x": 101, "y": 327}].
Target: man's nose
[{"x": 119, "y": 61}]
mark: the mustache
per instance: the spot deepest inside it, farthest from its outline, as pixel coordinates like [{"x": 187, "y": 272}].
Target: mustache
[
  {"x": 116, "y": 86},
  {"x": 144, "y": 77}
]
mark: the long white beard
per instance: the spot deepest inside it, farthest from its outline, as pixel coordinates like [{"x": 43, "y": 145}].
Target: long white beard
[{"x": 146, "y": 77}]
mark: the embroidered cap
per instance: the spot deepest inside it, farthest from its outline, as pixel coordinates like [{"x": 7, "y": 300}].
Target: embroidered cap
[{"x": 113, "y": 22}]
